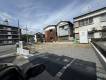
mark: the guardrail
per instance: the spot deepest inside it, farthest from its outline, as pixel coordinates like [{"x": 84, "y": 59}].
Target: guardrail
[{"x": 100, "y": 53}]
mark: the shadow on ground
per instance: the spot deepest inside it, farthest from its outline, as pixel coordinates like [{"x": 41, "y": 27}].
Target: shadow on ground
[
  {"x": 77, "y": 70},
  {"x": 8, "y": 59}
]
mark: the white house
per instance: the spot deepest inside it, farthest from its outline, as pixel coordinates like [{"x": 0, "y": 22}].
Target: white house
[
  {"x": 94, "y": 22},
  {"x": 64, "y": 30}
]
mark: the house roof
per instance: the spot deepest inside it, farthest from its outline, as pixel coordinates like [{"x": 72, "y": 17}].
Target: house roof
[
  {"x": 49, "y": 26},
  {"x": 90, "y": 12},
  {"x": 64, "y": 21}
]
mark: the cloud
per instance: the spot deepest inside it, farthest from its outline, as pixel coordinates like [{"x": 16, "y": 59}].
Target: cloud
[
  {"x": 4, "y": 15},
  {"x": 93, "y": 5},
  {"x": 43, "y": 17},
  {"x": 65, "y": 13},
  {"x": 76, "y": 8},
  {"x": 40, "y": 13}
]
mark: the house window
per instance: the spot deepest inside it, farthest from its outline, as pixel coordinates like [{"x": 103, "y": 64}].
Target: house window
[
  {"x": 86, "y": 22},
  {"x": 66, "y": 27},
  {"x": 51, "y": 30},
  {"x": 62, "y": 27},
  {"x": 76, "y": 24},
  {"x": 81, "y": 23},
  {"x": 90, "y": 36},
  {"x": 103, "y": 34},
  {"x": 103, "y": 18},
  {"x": 90, "y": 20}
]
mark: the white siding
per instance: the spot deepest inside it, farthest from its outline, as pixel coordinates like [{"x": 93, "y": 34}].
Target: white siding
[
  {"x": 97, "y": 35},
  {"x": 91, "y": 15},
  {"x": 51, "y": 27},
  {"x": 97, "y": 23},
  {"x": 63, "y": 32},
  {"x": 76, "y": 30}
]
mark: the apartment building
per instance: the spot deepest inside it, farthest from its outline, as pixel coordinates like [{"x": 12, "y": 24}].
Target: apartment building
[
  {"x": 9, "y": 34},
  {"x": 93, "y": 22},
  {"x": 65, "y": 30}
]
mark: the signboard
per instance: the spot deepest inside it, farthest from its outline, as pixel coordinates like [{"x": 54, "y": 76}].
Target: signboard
[{"x": 83, "y": 36}]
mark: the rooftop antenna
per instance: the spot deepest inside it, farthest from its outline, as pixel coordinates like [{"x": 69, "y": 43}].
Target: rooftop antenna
[{"x": 27, "y": 33}]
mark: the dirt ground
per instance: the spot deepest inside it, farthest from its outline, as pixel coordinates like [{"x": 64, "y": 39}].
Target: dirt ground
[{"x": 80, "y": 51}]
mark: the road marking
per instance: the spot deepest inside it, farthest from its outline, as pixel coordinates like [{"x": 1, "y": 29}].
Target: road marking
[{"x": 59, "y": 74}]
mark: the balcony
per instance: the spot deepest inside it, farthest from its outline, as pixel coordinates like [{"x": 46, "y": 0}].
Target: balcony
[
  {"x": 6, "y": 39},
  {"x": 8, "y": 34},
  {"x": 7, "y": 30}
]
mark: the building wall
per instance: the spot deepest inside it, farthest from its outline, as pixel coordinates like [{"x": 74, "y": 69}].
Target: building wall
[
  {"x": 91, "y": 15},
  {"x": 98, "y": 24},
  {"x": 64, "y": 30},
  {"x": 50, "y": 34},
  {"x": 8, "y": 34}
]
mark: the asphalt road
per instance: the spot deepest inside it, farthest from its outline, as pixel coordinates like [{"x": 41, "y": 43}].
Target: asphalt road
[
  {"x": 76, "y": 69},
  {"x": 8, "y": 59},
  {"x": 57, "y": 56},
  {"x": 7, "y": 49},
  {"x": 78, "y": 51}
]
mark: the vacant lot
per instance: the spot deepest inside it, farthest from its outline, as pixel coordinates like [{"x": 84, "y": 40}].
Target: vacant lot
[{"x": 79, "y": 51}]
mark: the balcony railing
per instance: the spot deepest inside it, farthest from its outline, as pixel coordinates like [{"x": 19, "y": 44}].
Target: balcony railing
[
  {"x": 9, "y": 39},
  {"x": 7, "y": 30},
  {"x": 9, "y": 34}
]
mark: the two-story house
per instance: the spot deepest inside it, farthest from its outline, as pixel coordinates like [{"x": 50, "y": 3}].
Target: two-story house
[
  {"x": 50, "y": 33},
  {"x": 93, "y": 22},
  {"x": 65, "y": 30}
]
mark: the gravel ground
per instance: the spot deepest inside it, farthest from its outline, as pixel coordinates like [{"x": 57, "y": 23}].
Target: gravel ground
[{"x": 79, "y": 51}]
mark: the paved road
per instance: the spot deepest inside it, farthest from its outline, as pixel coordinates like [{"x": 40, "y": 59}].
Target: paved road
[
  {"x": 78, "y": 51},
  {"x": 82, "y": 52},
  {"x": 71, "y": 69},
  {"x": 7, "y": 49}
]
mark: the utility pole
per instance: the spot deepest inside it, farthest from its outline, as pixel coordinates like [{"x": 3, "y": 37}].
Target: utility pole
[
  {"x": 19, "y": 30},
  {"x": 27, "y": 33}
]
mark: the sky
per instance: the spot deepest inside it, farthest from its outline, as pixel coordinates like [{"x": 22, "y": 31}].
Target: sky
[{"x": 37, "y": 14}]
